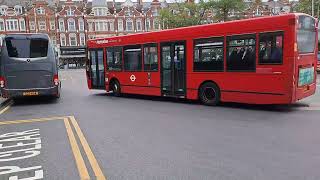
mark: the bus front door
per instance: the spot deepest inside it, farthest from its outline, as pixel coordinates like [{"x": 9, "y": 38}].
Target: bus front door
[
  {"x": 173, "y": 69},
  {"x": 97, "y": 69}
]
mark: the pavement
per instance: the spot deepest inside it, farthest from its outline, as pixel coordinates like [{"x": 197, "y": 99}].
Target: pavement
[{"x": 90, "y": 134}]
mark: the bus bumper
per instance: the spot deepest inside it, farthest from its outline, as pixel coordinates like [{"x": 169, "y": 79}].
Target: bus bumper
[
  {"x": 13, "y": 93},
  {"x": 305, "y": 91}
]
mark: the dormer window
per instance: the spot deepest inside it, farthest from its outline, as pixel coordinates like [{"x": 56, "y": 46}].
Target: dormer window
[
  {"x": 100, "y": 12},
  {"x": 18, "y": 9},
  {"x": 40, "y": 10},
  {"x": 70, "y": 12},
  {"x": 128, "y": 12},
  {"x": 155, "y": 12},
  {"x": 3, "y": 10}
]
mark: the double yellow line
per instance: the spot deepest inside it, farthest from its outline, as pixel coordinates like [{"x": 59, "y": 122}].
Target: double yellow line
[{"x": 70, "y": 122}]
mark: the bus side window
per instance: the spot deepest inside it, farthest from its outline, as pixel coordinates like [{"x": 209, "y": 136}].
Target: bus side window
[
  {"x": 241, "y": 53},
  {"x": 114, "y": 58},
  {"x": 271, "y": 48},
  {"x": 150, "y": 54},
  {"x": 208, "y": 54},
  {"x": 132, "y": 58}
]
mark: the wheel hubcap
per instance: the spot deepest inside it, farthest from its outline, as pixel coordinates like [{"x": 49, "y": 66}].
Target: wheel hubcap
[{"x": 209, "y": 94}]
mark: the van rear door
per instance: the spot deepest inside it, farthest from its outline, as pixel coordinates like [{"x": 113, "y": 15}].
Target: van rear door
[{"x": 27, "y": 65}]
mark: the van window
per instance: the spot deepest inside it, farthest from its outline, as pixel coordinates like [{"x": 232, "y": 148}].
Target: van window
[{"x": 27, "y": 48}]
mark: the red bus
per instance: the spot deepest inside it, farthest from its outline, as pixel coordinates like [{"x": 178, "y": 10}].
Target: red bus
[{"x": 267, "y": 60}]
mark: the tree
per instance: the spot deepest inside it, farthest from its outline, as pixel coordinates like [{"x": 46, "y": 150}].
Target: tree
[
  {"x": 189, "y": 14},
  {"x": 305, "y": 6},
  {"x": 181, "y": 15},
  {"x": 223, "y": 8}
]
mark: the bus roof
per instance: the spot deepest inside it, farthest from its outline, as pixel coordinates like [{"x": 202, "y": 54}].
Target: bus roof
[{"x": 109, "y": 40}]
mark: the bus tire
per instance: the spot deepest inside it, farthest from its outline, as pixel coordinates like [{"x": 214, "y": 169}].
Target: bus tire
[
  {"x": 209, "y": 94},
  {"x": 115, "y": 87}
]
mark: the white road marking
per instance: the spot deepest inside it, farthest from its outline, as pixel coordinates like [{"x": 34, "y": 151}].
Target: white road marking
[{"x": 19, "y": 152}]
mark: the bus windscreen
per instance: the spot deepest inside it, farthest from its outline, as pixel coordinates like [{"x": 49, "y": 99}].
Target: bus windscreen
[
  {"x": 27, "y": 48},
  {"x": 306, "y": 37}
]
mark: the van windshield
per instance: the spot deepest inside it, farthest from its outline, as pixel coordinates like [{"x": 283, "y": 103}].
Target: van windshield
[{"x": 27, "y": 48}]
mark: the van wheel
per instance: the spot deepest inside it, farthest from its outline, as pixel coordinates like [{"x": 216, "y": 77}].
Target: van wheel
[
  {"x": 209, "y": 94},
  {"x": 115, "y": 87}
]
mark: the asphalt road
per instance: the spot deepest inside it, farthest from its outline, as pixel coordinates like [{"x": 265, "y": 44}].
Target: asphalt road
[{"x": 91, "y": 134}]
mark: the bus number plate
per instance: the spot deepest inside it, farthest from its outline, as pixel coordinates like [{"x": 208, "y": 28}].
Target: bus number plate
[{"x": 32, "y": 93}]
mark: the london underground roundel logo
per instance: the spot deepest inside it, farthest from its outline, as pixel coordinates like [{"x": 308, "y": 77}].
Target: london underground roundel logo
[{"x": 132, "y": 78}]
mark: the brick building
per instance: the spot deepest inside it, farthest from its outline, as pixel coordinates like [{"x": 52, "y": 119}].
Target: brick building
[
  {"x": 71, "y": 32},
  {"x": 70, "y": 23},
  {"x": 12, "y": 19},
  {"x": 41, "y": 19}
]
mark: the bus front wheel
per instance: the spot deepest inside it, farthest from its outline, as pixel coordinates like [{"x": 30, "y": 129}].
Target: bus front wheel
[
  {"x": 209, "y": 94},
  {"x": 116, "y": 88}
]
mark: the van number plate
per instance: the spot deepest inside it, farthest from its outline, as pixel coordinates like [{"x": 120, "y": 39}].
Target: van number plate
[{"x": 31, "y": 93}]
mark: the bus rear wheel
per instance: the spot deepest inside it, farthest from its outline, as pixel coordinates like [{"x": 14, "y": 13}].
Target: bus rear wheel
[
  {"x": 115, "y": 87},
  {"x": 209, "y": 94}
]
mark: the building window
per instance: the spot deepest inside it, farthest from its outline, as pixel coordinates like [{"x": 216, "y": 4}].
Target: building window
[
  {"x": 71, "y": 25},
  {"x": 101, "y": 26},
  {"x": 3, "y": 10},
  {"x": 82, "y": 40},
  {"x": 61, "y": 25},
  {"x": 42, "y": 25},
  {"x": 63, "y": 40},
  {"x": 81, "y": 25},
  {"x": 40, "y": 10},
  {"x": 270, "y": 48},
  {"x": 2, "y": 25},
  {"x": 208, "y": 54},
  {"x": 100, "y": 12},
  {"x": 129, "y": 25},
  {"x": 114, "y": 58},
  {"x": 132, "y": 58},
  {"x": 155, "y": 24},
  {"x": 128, "y": 12},
  {"x": 111, "y": 23},
  {"x": 150, "y": 56},
  {"x": 12, "y": 25},
  {"x": 22, "y": 25},
  {"x": 54, "y": 41},
  {"x": 70, "y": 12},
  {"x": 90, "y": 26},
  {"x": 52, "y": 25},
  {"x": 155, "y": 12},
  {"x": 120, "y": 25},
  {"x": 18, "y": 10},
  {"x": 147, "y": 24},
  {"x": 72, "y": 40},
  {"x": 32, "y": 25},
  {"x": 241, "y": 53},
  {"x": 139, "y": 25}
]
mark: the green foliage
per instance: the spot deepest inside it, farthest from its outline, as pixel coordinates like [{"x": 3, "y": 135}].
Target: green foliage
[
  {"x": 224, "y": 7},
  {"x": 305, "y": 6},
  {"x": 180, "y": 15},
  {"x": 188, "y": 14}
]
